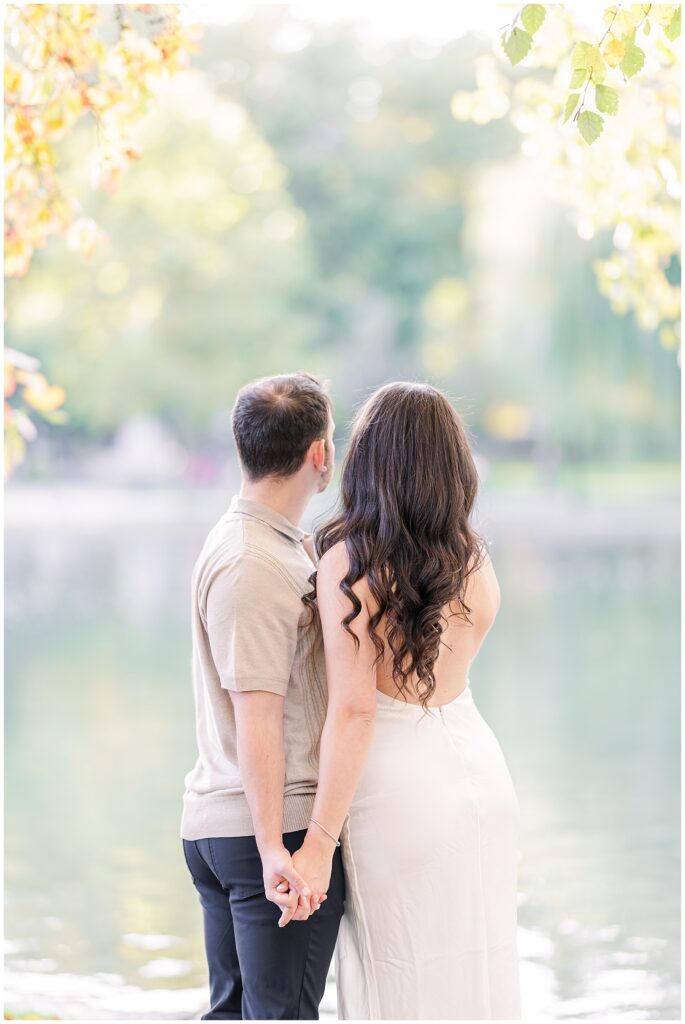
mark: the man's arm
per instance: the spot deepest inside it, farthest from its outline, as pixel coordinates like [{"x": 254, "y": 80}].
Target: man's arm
[
  {"x": 252, "y": 624},
  {"x": 261, "y": 756}
]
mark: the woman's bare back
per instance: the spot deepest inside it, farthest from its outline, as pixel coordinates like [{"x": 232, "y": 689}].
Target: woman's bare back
[{"x": 461, "y": 641}]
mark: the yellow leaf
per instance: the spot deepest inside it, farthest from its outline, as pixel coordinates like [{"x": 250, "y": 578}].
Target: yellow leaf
[
  {"x": 10, "y": 380},
  {"x": 44, "y": 399},
  {"x": 53, "y": 120},
  {"x": 662, "y": 14},
  {"x": 614, "y": 52},
  {"x": 73, "y": 102},
  {"x": 15, "y": 447},
  {"x": 30, "y": 378},
  {"x": 628, "y": 19},
  {"x": 12, "y": 78}
]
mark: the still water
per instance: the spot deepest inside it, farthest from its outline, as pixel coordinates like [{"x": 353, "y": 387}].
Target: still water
[{"x": 579, "y": 678}]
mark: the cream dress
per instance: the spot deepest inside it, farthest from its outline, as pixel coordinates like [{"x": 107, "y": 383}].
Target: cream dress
[{"x": 430, "y": 848}]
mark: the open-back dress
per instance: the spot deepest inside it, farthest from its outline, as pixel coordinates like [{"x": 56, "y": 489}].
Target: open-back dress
[{"x": 430, "y": 848}]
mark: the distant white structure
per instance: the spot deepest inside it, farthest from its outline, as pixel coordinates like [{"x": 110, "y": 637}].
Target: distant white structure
[{"x": 144, "y": 452}]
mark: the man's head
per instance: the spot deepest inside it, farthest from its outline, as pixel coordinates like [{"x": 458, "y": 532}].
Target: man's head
[{"x": 284, "y": 426}]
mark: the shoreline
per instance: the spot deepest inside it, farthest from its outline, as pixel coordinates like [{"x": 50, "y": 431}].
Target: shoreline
[{"x": 553, "y": 515}]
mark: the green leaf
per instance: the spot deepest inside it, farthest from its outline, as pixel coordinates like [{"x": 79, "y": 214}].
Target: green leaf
[
  {"x": 579, "y": 55},
  {"x": 517, "y": 45},
  {"x": 532, "y": 17},
  {"x": 590, "y": 126},
  {"x": 578, "y": 76},
  {"x": 633, "y": 60},
  {"x": 15, "y": 445},
  {"x": 606, "y": 99},
  {"x": 647, "y": 27},
  {"x": 598, "y": 68},
  {"x": 571, "y": 104},
  {"x": 587, "y": 58},
  {"x": 672, "y": 30}
]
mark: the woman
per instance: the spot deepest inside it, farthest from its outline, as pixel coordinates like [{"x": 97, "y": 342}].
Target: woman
[{"x": 410, "y": 774}]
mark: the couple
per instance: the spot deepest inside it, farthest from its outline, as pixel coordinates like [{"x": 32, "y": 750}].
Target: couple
[{"x": 347, "y": 789}]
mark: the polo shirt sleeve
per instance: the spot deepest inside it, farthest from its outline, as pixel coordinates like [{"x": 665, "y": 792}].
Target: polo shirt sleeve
[{"x": 252, "y": 614}]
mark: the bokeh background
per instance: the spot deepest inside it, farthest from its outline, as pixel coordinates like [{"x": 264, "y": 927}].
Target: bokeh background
[{"x": 368, "y": 195}]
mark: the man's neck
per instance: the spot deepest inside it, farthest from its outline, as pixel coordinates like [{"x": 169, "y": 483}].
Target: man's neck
[{"x": 285, "y": 497}]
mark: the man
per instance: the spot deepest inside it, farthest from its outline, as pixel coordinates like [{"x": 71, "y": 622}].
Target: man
[{"x": 260, "y": 698}]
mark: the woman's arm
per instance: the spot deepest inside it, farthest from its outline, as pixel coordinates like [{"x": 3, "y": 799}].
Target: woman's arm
[{"x": 348, "y": 728}]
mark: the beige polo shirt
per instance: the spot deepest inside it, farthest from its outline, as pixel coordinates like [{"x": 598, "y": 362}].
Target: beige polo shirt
[{"x": 251, "y": 631}]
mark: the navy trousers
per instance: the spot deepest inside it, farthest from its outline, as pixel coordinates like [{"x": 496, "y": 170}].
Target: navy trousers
[{"x": 258, "y": 971}]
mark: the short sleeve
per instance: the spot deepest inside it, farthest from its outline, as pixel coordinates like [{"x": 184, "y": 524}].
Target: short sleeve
[{"x": 252, "y": 616}]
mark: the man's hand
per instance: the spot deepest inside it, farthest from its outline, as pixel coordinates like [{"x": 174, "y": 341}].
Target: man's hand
[{"x": 280, "y": 875}]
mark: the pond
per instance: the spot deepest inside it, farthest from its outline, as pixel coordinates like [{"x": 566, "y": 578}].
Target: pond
[{"x": 579, "y": 678}]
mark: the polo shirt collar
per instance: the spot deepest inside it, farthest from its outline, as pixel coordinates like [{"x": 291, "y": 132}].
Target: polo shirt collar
[{"x": 256, "y": 510}]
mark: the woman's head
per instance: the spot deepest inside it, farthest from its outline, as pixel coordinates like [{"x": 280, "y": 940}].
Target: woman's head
[
  {"x": 408, "y": 488},
  {"x": 408, "y": 465}
]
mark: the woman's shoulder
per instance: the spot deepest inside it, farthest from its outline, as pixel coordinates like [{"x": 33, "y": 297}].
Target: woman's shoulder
[
  {"x": 483, "y": 578},
  {"x": 334, "y": 563},
  {"x": 334, "y": 566}
]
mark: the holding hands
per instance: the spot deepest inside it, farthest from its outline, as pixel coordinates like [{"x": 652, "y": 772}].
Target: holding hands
[
  {"x": 284, "y": 886},
  {"x": 298, "y": 884}
]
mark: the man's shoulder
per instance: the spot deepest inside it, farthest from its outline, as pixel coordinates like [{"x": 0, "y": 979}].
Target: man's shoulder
[
  {"x": 223, "y": 541},
  {"x": 244, "y": 532},
  {"x": 244, "y": 553}
]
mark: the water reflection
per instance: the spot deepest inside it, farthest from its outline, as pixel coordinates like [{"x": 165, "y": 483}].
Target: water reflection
[{"x": 579, "y": 679}]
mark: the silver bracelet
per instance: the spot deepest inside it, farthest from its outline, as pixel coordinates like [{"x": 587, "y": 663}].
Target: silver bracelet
[{"x": 336, "y": 841}]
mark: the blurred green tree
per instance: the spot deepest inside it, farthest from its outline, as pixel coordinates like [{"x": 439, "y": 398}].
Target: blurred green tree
[
  {"x": 197, "y": 287},
  {"x": 360, "y": 231}
]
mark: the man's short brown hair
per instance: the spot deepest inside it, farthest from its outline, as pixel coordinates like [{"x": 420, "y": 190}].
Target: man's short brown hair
[{"x": 275, "y": 420}]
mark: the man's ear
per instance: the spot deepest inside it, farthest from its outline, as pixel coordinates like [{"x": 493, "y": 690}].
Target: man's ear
[{"x": 318, "y": 452}]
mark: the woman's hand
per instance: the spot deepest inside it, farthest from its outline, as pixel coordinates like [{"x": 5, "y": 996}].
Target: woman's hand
[{"x": 314, "y": 860}]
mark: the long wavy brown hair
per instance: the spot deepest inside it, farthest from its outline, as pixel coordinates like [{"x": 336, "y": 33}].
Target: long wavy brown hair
[{"x": 408, "y": 488}]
